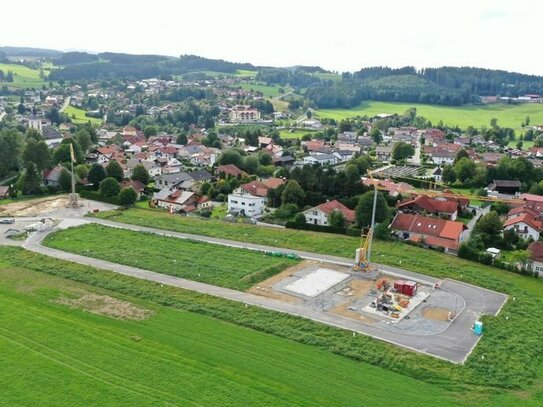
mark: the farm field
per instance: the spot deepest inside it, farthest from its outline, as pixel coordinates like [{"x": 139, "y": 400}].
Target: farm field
[
  {"x": 463, "y": 116},
  {"x": 207, "y": 263},
  {"x": 23, "y": 77},
  {"x": 136, "y": 352},
  {"x": 78, "y": 115}
]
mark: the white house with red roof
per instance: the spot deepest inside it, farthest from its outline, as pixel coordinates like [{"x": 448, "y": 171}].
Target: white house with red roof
[
  {"x": 525, "y": 225},
  {"x": 423, "y": 204},
  {"x": 250, "y": 199},
  {"x": 319, "y": 214}
]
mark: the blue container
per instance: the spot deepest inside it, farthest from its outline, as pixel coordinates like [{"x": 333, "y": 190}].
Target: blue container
[{"x": 478, "y": 328}]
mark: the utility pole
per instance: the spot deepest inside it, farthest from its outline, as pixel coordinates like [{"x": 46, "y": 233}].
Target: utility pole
[{"x": 73, "y": 196}]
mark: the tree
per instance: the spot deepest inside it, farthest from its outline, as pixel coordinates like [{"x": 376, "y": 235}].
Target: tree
[
  {"x": 150, "y": 131},
  {"x": 352, "y": 174},
  {"x": 493, "y": 122},
  {"x": 65, "y": 180},
  {"x": 364, "y": 209},
  {"x": 37, "y": 152},
  {"x": 308, "y": 114},
  {"x": 376, "y": 135},
  {"x": 293, "y": 193},
  {"x": 110, "y": 187},
  {"x": 402, "y": 151},
  {"x": 96, "y": 175},
  {"x": 251, "y": 164},
  {"x": 114, "y": 170},
  {"x": 30, "y": 181},
  {"x": 84, "y": 139},
  {"x": 336, "y": 219},
  {"x": 62, "y": 152},
  {"x": 264, "y": 158},
  {"x": 140, "y": 173},
  {"x": 11, "y": 150},
  {"x": 489, "y": 228},
  {"x": 464, "y": 169},
  {"x": 300, "y": 219},
  {"x": 81, "y": 171},
  {"x": 181, "y": 139},
  {"x": 230, "y": 156},
  {"x": 448, "y": 176},
  {"x": 128, "y": 196},
  {"x": 21, "y": 108},
  {"x": 460, "y": 154}
]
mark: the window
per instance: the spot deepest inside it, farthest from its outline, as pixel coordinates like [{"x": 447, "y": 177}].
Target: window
[
  {"x": 243, "y": 203},
  {"x": 315, "y": 213},
  {"x": 234, "y": 202}
]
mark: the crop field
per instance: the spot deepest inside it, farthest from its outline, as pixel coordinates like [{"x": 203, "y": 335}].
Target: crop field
[
  {"x": 463, "y": 116},
  {"x": 207, "y": 263},
  {"x": 78, "y": 115},
  {"x": 23, "y": 77},
  {"x": 60, "y": 351}
]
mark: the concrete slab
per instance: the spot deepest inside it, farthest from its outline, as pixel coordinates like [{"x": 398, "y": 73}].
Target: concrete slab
[{"x": 316, "y": 282}]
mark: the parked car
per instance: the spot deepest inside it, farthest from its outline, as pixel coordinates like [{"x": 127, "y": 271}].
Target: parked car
[{"x": 7, "y": 221}]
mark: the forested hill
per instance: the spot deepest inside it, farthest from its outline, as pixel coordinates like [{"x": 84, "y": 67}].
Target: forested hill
[
  {"x": 84, "y": 66},
  {"x": 446, "y": 86}
]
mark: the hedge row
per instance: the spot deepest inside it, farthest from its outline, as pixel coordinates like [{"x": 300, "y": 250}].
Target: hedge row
[{"x": 96, "y": 196}]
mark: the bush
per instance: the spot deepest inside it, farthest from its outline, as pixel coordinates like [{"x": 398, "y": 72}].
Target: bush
[
  {"x": 128, "y": 196},
  {"x": 110, "y": 187}
]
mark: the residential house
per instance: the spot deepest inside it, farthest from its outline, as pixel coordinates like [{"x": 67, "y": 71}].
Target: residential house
[
  {"x": 383, "y": 153},
  {"x": 318, "y": 215},
  {"x": 4, "y": 192},
  {"x": 229, "y": 170},
  {"x": 284, "y": 161},
  {"x": 441, "y": 157},
  {"x": 437, "y": 173},
  {"x": 394, "y": 189},
  {"x": 423, "y": 204},
  {"x": 51, "y": 176},
  {"x": 535, "y": 263},
  {"x": 250, "y": 198},
  {"x": 525, "y": 225},
  {"x": 136, "y": 185},
  {"x": 533, "y": 202},
  {"x": 176, "y": 201},
  {"x": 430, "y": 232},
  {"x": 321, "y": 159}
]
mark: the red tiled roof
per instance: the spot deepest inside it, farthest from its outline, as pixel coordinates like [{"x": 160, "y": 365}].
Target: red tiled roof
[
  {"x": 522, "y": 209},
  {"x": 531, "y": 197},
  {"x": 436, "y": 242},
  {"x": 273, "y": 183},
  {"x": 230, "y": 169},
  {"x": 526, "y": 218},
  {"x": 536, "y": 250},
  {"x": 257, "y": 188},
  {"x": 424, "y": 225},
  {"x": 335, "y": 205},
  {"x": 431, "y": 205}
]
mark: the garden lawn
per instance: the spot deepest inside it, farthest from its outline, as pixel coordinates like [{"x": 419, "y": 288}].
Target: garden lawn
[
  {"x": 207, "y": 263},
  {"x": 78, "y": 115},
  {"x": 462, "y": 116},
  {"x": 56, "y": 355},
  {"x": 267, "y": 90}
]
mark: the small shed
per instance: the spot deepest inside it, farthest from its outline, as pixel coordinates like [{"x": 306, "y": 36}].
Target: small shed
[
  {"x": 495, "y": 253},
  {"x": 410, "y": 288},
  {"x": 398, "y": 286}
]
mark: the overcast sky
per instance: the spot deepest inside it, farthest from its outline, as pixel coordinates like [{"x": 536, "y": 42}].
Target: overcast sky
[{"x": 338, "y": 35}]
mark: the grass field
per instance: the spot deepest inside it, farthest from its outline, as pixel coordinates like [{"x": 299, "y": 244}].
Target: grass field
[
  {"x": 463, "y": 116},
  {"x": 78, "y": 115},
  {"x": 267, "y": 90},
  {"x": 56, "y": 355},
  {"x": 23, "y": 77},
  {"x": 295, "y": 133},
  {"x": 207, "y": 263}
]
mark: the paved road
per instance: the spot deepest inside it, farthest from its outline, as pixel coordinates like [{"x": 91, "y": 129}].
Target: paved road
[
  {"x": 453, "y": 344},
  {"x": 66, "y": 103}
]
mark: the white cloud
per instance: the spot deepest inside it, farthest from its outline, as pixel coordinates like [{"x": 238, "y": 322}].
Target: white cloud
[{"x": 339, "y": 35}]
